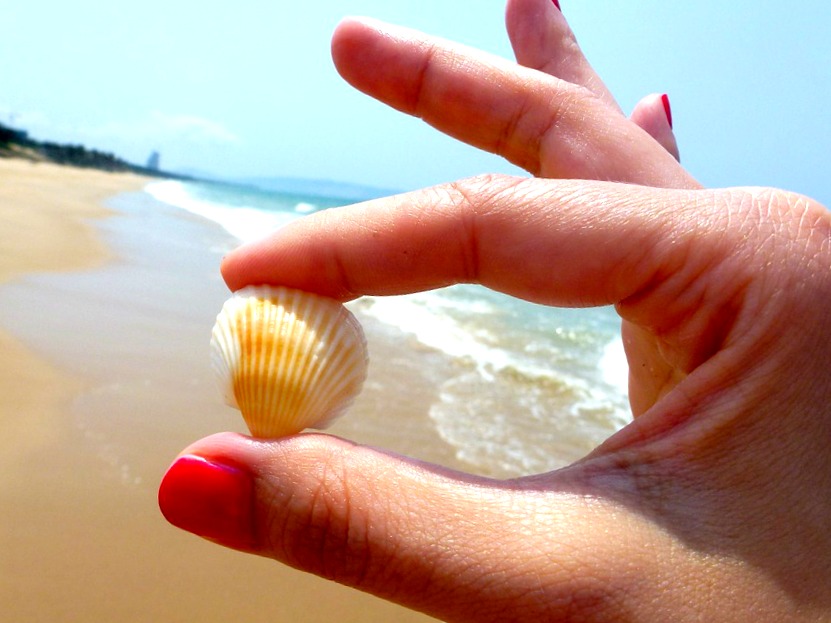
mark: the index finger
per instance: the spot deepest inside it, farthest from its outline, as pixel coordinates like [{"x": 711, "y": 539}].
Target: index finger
[{"x": 563, "y": 243}]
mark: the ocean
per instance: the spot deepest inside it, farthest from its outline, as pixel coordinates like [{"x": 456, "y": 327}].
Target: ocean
[{"x": 507, "y": 387}]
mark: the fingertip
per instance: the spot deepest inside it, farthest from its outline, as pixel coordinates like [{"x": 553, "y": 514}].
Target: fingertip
[
  {"x": 654, "y": 115},
  {"x": 345, "y": 33},
  {"x": 358, "y": 23},
  {"x": 354, "y": 40},
  {"x": 232, "y": 267},
  {"x": 534, "y": 31},
  {"x": 260, "y": 262},
  {"x": 348, "y": 45},
  {"x": 225, "y": 271},
  {"x": 210, "y": 498},
  {"x": 378, "y": 58},
  {"x": 210, "y": 489}
]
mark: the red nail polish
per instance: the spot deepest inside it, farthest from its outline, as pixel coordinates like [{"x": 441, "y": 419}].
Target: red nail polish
[
  {"x": 667, "y": 110},
  {"x": 557, "y": 4},
  {"x": 210, "y": 499}
]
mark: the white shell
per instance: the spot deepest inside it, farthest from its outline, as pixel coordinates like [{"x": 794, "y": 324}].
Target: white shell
[{"x": 289, "y": 360}]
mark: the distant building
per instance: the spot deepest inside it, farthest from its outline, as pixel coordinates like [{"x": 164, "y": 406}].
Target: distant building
[{"x": 153, "y": 161}]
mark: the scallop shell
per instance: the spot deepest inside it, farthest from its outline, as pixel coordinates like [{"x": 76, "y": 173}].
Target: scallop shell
[{"x": 289, "y": 360}]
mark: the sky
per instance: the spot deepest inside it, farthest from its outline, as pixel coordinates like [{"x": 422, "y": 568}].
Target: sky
[{"x": 247, "y": 88}]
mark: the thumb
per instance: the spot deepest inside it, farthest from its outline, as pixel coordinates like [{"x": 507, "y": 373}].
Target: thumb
[
  {"x": 405, "y": 531},
  {"x": 315, "y": 502}
]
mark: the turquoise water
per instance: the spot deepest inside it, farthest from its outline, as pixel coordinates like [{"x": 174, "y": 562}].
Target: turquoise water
[{"x": 527, "y": 388}]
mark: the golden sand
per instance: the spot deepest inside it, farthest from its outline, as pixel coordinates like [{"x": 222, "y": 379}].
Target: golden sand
[{"x": 43, "y": 208}]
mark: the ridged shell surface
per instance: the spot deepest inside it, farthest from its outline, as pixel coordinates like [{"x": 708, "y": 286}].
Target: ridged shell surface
[{"x": 287, "y": 359}]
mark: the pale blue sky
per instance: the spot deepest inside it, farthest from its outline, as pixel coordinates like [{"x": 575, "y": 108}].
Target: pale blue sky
[{"x": 248, "y": 88}]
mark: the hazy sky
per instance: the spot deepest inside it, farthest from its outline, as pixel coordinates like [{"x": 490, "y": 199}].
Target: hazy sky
[{"x": 247, "y": 88}]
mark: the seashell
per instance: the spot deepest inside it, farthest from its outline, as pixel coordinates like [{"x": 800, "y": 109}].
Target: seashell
[{"x": 289, "y": 360}]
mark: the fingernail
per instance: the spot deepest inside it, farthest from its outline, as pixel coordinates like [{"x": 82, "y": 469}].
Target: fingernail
[
  {"x": 557, "y": 4},
  {"x": 667, "y": 109},
  {"x": 212, "y": 500}
]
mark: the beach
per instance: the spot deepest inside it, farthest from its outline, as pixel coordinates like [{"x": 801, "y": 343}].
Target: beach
[{"x": 107, "y": 305}]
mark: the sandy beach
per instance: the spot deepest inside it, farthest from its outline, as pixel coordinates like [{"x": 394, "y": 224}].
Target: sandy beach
[{"x": 103, "y": 329}]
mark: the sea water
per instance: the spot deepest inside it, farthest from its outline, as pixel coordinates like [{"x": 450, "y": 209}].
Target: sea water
[{"x": 528, "y": 388}]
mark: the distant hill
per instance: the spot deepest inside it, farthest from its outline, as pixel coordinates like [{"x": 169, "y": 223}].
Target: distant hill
[{"x": 16, "y": 143}]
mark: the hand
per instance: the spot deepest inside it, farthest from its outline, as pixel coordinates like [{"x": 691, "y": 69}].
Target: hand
[{"x": 712, "y": 505}]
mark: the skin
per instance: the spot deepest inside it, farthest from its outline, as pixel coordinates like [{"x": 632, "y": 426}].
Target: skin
[{"x": 713, "y": 504}]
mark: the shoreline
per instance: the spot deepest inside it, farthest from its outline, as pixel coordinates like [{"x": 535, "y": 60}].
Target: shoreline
[
  {"x": 105, "y": 381},
  {"x": 45, "y": 211}
]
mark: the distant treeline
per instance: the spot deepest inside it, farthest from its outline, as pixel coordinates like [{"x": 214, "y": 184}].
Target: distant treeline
[{"x": 17, "y": 143}]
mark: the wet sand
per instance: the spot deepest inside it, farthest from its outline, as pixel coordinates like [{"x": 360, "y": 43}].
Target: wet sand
[{"x": 105, "y": 377}]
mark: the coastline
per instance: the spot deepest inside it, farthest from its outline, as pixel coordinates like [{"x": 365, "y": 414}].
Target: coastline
[
  {"x": 44, "y": 211},
  {"x": 101, "y": 332}
]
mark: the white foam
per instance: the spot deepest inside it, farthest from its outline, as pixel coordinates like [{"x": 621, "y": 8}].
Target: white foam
[
  {"x": 304, "y": 208},
  {"x": 491, "y": 421},
  {"x": 423, "y": 315},
  {"x": 244, "y": 223},
  {"x": 614, "y": 367}
]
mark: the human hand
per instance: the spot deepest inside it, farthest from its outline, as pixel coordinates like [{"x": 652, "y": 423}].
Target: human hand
[
  {"x": 712, "y": 504},
  {"x": 551, "y": 115}
]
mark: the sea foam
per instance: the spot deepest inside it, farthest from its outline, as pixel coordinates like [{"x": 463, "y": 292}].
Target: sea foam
[{"x": 245, "y": 223}]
